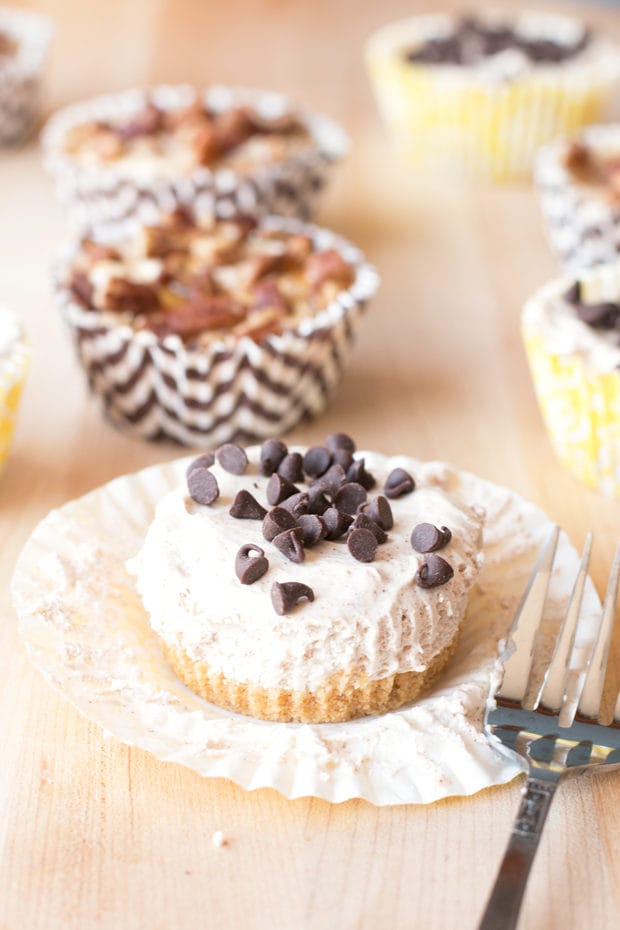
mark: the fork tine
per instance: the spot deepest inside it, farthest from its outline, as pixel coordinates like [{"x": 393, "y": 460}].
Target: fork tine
[
  {"x": 525, "y": 624},
  {"x": 552, "y": 688},
  {"x": 589, "y": 702}
]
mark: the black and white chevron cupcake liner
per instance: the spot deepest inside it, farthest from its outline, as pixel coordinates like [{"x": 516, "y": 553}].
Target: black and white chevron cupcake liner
[
  {"x": 583, "y": 229},
  {"x": 103, "y": 194},
  {"x": 21, "y": 75},
  {"x": 232, "y": 389}
]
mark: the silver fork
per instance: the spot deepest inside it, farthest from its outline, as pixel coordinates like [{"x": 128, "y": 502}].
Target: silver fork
[{"x": 557, "y": 728}]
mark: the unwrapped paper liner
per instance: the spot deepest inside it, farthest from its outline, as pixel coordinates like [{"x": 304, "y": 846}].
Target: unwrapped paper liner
[{"x": 85, "y": 628}]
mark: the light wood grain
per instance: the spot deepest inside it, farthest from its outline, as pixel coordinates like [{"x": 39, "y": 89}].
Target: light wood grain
[{"x": 95, "y": 836}]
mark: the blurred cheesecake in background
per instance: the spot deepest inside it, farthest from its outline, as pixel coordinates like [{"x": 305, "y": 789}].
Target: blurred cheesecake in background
[
  {"x": 474, "y": 98},
  {"x": 204, "y": 330},
  {"x": 143, "y": 151},
  {"x": 24, "y": 45}
]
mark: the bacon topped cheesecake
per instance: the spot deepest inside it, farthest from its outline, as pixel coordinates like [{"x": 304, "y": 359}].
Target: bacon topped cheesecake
[
  {"x": 313, "y": 585},
  {"x": 141, "y": 151}
]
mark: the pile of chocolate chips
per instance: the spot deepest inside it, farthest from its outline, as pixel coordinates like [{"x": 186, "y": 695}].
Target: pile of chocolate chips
[
  {"x": 472, "y": 41},
  {"x": 601, "y": 315},
  {"x": 334, "y": 505}
]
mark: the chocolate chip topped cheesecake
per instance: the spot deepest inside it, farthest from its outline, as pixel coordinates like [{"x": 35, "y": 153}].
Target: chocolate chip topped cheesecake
[
  {"x": 207, "y": 280},
  {"x": 476, "y": 97},
  {"x": 311, "y": 584},
  {"x": 137, "y": 152}
]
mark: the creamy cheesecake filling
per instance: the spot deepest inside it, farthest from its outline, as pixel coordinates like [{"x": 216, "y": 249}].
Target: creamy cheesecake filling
[{"x": 372, "y": 617}]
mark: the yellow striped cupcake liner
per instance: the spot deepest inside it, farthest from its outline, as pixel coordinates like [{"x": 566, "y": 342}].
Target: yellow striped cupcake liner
[
  {"x": 14, "y": 363},
  {"x": 580, "y": 404},
  {"x": 452, "y": 121}
]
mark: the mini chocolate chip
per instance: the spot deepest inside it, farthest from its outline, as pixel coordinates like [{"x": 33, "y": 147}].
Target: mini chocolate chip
[
  {"x": 379, "y": 511},
  {"x": 291, "y": 467},
  {"x": 343, "y": 457},
  {"x": 316, "y": 461},
  {"x": 296, "y": 503},
  {"x": 290, "y": 543},
  {"x": 333, "y": 478},
  {"x": 246, "y": 507},
  {"x": 276, "y": 521},
  {"x": 232, "y": 458},
  {"x": 398, "y": 482},
  {"x": 203, "y": 461},
  {"x": 599, "y": 316},
  {"x": 362, "y": 545},
  {"x": 202, "y": 486},
  {"x": 278, "y": 489},
  {"x": 349, "y": 497},
  {"x": 434, "y": 571},
  {"x": 271, "y": 454},
  {"x": 250, "y": 568},
  {"x": 336, "y": 523},
  {"x": 285, "y": 595},
  {"x": 363, "y": 522},
  {"x": 428, "y": 538},
  {"x": 357, "y": 472},
  {"x": 573, "y": 294},
  {"x": 312, "y": 527},
  {"x": 339, "y": 441},
  {"x": 317, "y": 501}
]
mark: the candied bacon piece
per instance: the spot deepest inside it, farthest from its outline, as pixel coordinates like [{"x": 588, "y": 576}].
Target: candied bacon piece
[
  {"x": 123, "y": 295},
  {"x": 328, "y": 265},
  {"x": 267, "y": 294},
  {"x": 232, "y": 128},
  {"x": 97, "y": 251},
  {"x": 82, "y": 289},
  {"x": 203, "y": 312},
  {"x": 146, "y": 122}
]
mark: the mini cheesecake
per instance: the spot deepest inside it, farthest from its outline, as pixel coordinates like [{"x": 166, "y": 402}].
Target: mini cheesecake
[{"x": 312, "y": 585}]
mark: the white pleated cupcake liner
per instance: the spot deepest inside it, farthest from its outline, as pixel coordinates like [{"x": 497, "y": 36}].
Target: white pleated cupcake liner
[
  {"x": 230, "y": 389},
  {"x": 85, "y": 629},
  {"x": 106, "y": 193},
  {"x": 583, "y": 229},
  {"x": 21, "y": 75},
  {"x": 474, "y": 125}
]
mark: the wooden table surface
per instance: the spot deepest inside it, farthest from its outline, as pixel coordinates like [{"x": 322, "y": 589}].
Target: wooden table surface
[{"x": 96, "y": 835}]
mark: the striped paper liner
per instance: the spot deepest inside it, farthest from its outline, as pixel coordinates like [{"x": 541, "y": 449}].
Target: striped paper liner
[
  {"x": 86, "y": 630},
  {"x": 583, "y": 227},
  {"x": 159, "y": 388},
  {"x": 105, "y": 193}
]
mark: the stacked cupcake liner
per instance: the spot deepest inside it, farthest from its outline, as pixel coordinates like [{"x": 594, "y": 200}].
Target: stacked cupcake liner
[
  {"x": 455, "y": 122},
  {"x": 104, "y": 193},
  {"x": 231, "y": 388},
  {"x": 583, "y": 229},
  {"x": 20, "y": 75},
  {"x": 580, "y": 403},
  {"x": 14, "y": 360}
]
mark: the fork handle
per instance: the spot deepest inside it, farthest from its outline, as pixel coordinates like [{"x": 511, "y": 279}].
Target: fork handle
[{"x": 502, "y": 910}]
